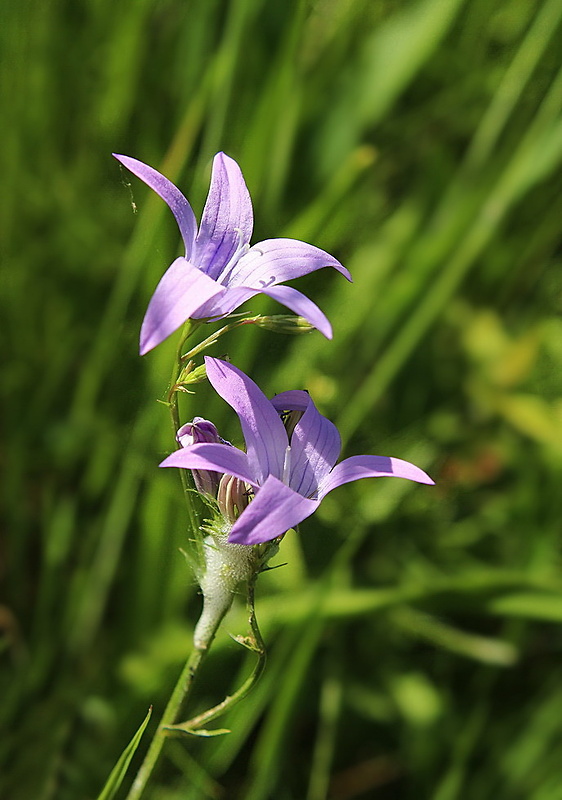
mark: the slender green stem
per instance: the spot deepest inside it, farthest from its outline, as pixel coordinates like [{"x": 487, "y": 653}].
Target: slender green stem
[
  {"x": 173, "y": 403},
  {"x": 179, "y": 695},
  {"x": 217, "y": 334},
  {"x": 254, "y": 643}
]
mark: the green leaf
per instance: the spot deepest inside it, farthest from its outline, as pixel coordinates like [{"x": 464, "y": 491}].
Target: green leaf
[
  {"x": 119, "y": 770},
  {"x": 185, "y": 729}
]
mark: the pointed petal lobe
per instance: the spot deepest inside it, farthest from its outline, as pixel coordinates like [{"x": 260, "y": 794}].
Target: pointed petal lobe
[
  {"x": 227, "y": 220},
  {"x": 292, "y": 400},
  {"x": 294, "y": 300},
  {"x": 315, "y": 447},
  {"x": 171, "y": 195},
  {"x": 276, "y": 260},
  {"x": 299, "y": 303},
  {"x": 214, "y": 458},
  {"x": 265, "y": 436},
  {"x": 182, "y": 289},
  {"x": 357, "y": 467},
  {"x": 271, "y": 513}
]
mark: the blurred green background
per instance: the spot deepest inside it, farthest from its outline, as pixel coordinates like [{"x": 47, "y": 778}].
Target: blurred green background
[{"x": 414, "y": 636}]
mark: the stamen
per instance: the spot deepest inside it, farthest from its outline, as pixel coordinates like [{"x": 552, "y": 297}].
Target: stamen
[{"x": 287, "y": 466}]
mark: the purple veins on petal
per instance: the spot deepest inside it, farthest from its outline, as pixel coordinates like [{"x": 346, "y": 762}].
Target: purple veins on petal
[
  {"x": 264, "y": 434},
  {"x": 315, "y": 448},
  {"x": 227, "y": 221}
]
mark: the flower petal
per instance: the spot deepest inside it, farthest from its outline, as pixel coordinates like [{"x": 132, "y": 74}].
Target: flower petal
[
  {"x": 276, "y": 260},
  {"x": 271, "y": 513},
  {"x": 214, "y": 458},
  {"x": 182, "y": 289},
  {"x": 227, "y": 220},
  {"x": 265, "y": 436},
  {"x": 301, "y": 305},
  {"x": 356, "y": 467},
  {"x": 225, "y": 303},
  {"x": 292, "y": 400},
  {"x": 315, "y": 447},
  {"x": 171, "y": 195},
  {"x": 234, "y": 297}
]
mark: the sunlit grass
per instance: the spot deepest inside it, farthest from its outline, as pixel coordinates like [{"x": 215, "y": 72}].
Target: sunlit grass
[{"x": 413, "y": 635}]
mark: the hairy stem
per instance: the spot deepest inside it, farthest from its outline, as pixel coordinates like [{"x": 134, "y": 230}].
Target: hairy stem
[{"x": 173, "y": 403}]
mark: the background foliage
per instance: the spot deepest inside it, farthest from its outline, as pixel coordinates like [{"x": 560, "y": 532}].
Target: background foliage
[{"x": 414, "y": 634}]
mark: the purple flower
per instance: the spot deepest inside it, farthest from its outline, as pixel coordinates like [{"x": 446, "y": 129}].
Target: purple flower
[
  {"x": 220, "y": 270},
  {"x": 289, "y": 477}
]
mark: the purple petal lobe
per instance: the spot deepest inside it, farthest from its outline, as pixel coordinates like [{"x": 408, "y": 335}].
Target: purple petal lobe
[
  {"x": 315, "y": 447},
  {"x": 266, "y": 439},
  {"x": 300, "y": 304},
  {"x": 227, "y": 220},
  {"x": 215, "y": 458},
  {"x": 171, "y": 195},
  {"x": 356, "y": 467},
  {"x": 271, "y": 513},
  {"x": 293, "y": 400},
  {"x": 182, "y": 289},
  {"x": 225, "y": 303},
  {"x": 276, "y": 260}
]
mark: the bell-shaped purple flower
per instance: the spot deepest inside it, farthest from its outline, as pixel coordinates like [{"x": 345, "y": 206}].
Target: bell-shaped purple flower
[
  {"x": 290, "y": 476},
  {"x": 220, "y": 270}
]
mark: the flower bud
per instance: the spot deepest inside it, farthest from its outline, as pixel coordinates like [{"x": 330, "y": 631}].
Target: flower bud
[
  {"x": 196, "y": 432},
  {"x": 284, "y": 323},
  {"x": 191, "y": 374},
  {"x": 233, "y": 496}
]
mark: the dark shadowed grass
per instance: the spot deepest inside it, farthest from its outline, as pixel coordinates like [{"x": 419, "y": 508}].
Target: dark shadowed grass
[{"x": 414, "y": 634}]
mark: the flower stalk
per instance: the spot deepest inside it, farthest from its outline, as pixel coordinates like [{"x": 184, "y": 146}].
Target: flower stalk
[
  {"x": 227, "y": 565},
  {"x": 178, "y": 697}
]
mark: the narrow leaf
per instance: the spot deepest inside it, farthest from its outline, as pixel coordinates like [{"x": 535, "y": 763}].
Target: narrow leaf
[
  {"x": 184, "y": 728},
  {"x": 119, "y": 770}
]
